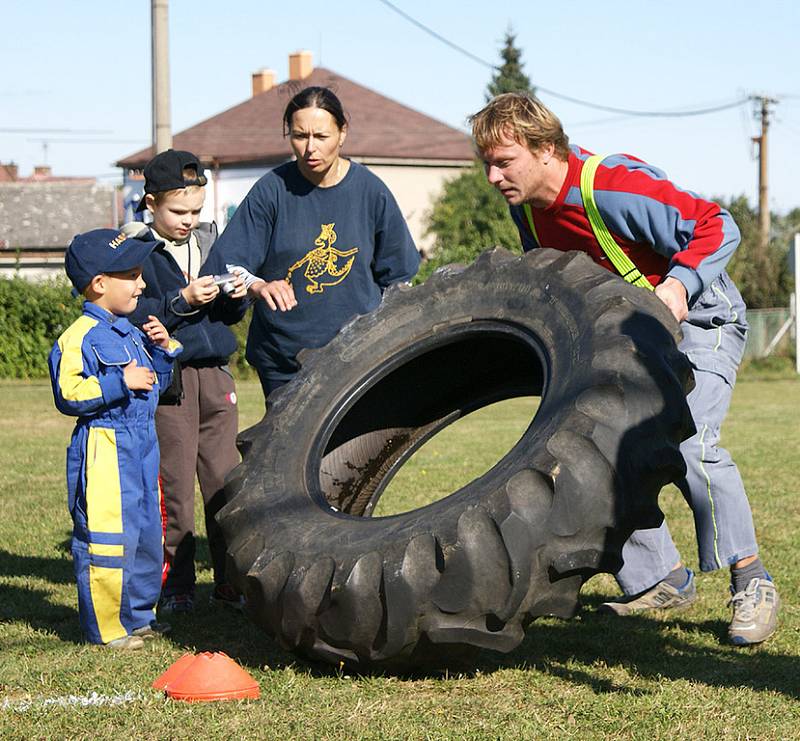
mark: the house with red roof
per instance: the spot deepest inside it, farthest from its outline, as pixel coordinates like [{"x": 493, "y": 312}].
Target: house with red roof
[{"x": 412, "y": 153}]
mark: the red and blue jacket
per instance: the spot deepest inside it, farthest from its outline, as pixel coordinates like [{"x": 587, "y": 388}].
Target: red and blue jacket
[{"x": 664, "y": 230}]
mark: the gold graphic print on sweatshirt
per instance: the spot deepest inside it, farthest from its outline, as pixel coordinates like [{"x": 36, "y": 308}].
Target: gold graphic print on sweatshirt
[{"x": 322, "y": 267}]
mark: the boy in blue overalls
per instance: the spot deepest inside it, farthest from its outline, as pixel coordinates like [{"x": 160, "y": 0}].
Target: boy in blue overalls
[{"x": 108, "y": 373}]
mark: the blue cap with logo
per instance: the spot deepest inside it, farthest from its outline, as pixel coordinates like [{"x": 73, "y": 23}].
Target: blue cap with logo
[{"x": 103, "y": 251}]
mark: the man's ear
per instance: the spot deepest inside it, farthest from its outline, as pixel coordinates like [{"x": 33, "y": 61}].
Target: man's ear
[{"x": 150, "y": 202}]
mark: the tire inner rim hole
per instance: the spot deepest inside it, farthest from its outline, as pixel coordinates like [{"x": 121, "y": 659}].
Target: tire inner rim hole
[{"x": 404, "y": 403}]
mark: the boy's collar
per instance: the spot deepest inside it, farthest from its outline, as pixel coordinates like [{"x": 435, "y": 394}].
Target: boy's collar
[
  {"x": 166, "y": 241},
  {"x": 120, "y": 323}
]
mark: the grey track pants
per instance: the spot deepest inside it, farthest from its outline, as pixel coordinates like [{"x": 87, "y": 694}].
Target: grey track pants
[{"x": 713, "y": 338}]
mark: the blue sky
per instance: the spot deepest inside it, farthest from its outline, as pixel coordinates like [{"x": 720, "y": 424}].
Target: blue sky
[{"x": 86, "y": 66}]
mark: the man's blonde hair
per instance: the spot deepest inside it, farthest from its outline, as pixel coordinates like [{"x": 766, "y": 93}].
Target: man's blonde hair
[{"x": 520, "y": 117}]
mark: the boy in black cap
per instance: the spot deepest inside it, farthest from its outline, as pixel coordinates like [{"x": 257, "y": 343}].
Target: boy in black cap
[
  {"x": 108, "y": 373},
  {"x": 197, "y": 421}
]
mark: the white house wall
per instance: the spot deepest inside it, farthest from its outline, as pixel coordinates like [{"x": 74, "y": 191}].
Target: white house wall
[
  {"x": 226, "y": 189},
  {"x": 416, "y": 189}
]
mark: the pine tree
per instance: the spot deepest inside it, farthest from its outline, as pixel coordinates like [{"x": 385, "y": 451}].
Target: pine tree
[
  {"x": 509, "y": 76},
  {"x": 470, "y": 216}
]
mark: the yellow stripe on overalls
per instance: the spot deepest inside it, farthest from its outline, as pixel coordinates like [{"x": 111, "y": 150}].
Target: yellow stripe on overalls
[
  {"x": 106, "y": 549},
  {"x": 105, "y": 585},
  {"x": 103, "y": 492},
  {"x": 71, "y": 382},
  {"x": 104, "y": 515}
]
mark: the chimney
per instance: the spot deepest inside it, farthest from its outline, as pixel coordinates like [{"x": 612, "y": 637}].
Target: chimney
[
  {"x": 300, "y": 65},
  {"x": 42, "y": 171},
  {"x": 263, "y": 80},
  {"x": 9, "y": 172}
]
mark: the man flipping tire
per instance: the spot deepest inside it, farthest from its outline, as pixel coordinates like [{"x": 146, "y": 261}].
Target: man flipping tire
[{"x": 630, "y": 219}]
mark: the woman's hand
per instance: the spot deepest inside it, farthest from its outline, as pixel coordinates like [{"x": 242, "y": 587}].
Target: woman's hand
[
  {"x": 277, "y": 293},
  {"x": 200, "y": 291}
]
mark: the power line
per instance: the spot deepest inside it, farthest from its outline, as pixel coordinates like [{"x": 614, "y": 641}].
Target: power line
[
  {"x": 649, "y": 114},
  {"x": 437, "y": 36},
  {"x": 578, "y": 101}
]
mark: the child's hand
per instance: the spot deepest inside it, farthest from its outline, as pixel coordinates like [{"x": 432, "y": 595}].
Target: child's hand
[
  {"x": 156, "y": 332},
  {"x": 278, "y": 294},
  {"x": 200, "y": 291},
  {"x": 138, "y": 378}
]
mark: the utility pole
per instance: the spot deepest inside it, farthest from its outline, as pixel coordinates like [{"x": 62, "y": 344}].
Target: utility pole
[
  {"x": 763, "y": 183},
  {"x": 159, "y": 24}
]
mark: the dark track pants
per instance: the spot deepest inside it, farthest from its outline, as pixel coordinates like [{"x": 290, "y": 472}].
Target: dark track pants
[{"x": 197, "y": 436}]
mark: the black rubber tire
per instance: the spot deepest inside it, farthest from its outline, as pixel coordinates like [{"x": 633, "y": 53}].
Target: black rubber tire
[{"x": 472, "y": 569}]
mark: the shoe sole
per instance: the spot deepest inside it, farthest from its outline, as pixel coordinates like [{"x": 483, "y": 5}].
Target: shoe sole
[
  {"x": 740, "y": 640},
  {"x": 129, "y": 646},
  {"x": 606, "y": 609}
]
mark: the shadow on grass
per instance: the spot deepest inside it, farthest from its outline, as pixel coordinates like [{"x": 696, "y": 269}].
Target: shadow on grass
[
  {"x": 216, "y": 628},
  {"x": 650, "y": 648},
  {"x": 54, "y": 570},
  {"x": 35, "y": 608}
]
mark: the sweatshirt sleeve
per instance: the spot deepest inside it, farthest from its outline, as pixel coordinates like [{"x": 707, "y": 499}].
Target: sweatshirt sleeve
[
  {"x": 246, "y": 238},
  {"x": 168, "y": 306},
  {"x": 639, "y": 203},
  {"x": 396, "y": 258}
]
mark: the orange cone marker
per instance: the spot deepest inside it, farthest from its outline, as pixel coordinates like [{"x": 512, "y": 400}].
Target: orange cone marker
[
  {"x": 207, "y": 677},
  {"x": 172, "y": 674}
]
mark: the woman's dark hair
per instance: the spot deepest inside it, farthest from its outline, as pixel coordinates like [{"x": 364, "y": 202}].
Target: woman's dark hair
[{"x": 315, "y": 97}]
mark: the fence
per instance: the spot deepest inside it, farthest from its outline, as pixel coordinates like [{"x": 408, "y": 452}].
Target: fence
[{"x": 764, "y": 325}]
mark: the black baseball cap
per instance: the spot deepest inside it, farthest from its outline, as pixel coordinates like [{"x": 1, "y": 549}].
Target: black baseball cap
[
  {"x": 165, "y": 172},
  {"x": 103, "y": 251}
]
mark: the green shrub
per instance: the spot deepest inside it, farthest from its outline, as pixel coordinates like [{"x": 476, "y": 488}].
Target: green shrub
[
  {"x": 32, "y": 316},
  {"x": 239, "y": 366}
]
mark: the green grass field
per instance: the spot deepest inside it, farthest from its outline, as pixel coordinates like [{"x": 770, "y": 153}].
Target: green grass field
[{"x": 588, "y": 678}]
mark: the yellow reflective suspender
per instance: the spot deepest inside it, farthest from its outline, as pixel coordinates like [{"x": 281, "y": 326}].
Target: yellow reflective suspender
[
  {"x": 614, "y": 253},
  {"x": 526, "y": 207}
]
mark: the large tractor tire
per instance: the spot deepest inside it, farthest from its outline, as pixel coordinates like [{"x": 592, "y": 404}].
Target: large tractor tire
[{"x": 473, "y": 569}]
